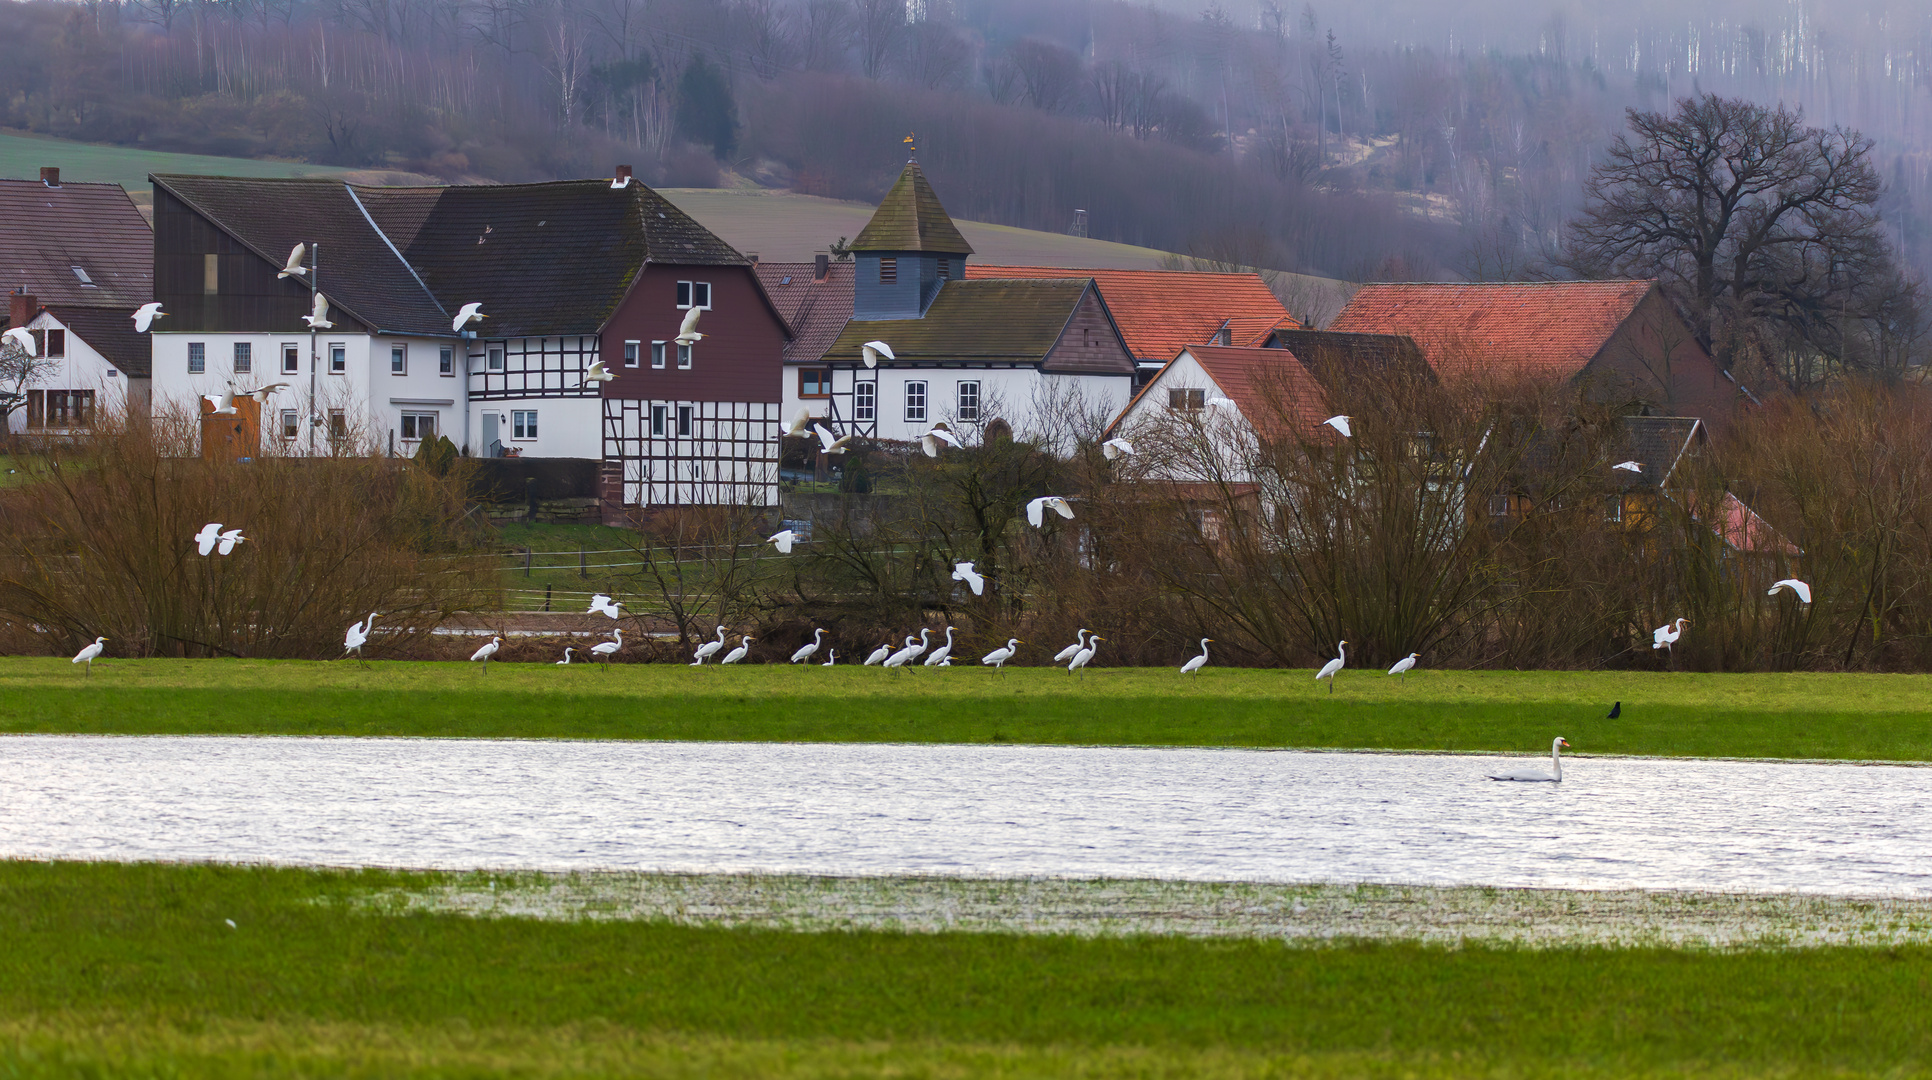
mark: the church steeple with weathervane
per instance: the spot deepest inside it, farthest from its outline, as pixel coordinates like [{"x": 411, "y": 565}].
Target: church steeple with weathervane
[{"x": 907, "y": 251}]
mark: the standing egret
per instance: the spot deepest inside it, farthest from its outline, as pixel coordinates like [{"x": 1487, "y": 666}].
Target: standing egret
[
  {"x": 800, "y": 422},
  {"x": 1629, "y": 466},
  {"x": 483, "y": 654},
  {"x": 784, "y": 540},
  {"x": 24, "y": 338},
  {"x": 358, "y": 636},
  {"x": 1665, "y": 636},
  {"x": 910, "y": 652},
  {"x": 709, "y": 649},
  {"x": 879, "y": 654},
  {"x": 1036, "y": 509},
  {"x": 1329, "y": 669},
  {"x": 597, "y": 373},
  {"x": 806, "y": 651},
  {"x": 1113, "y": 449},
  {"x": 207, "y": 538},
  {"x": 469, "y": 313},
  {"x": 975, "y": 581},
  {"x": 1340, "y": 423},
  {"x": 1802, "y": 590},
  {"x": 744, "y": 643},
  {"x": 872, "y": 350},
  {"x": 939, "y": 433},
  {"x": 831, "y": 658},
  {"x": 1555, "y": 775},
  {"x": 827, "y": 443},
  {"x": 1079, "y": 642},
  {"x": 318, "y": 318},
  {"x": 1404, "y": 664},
  {"x": 940, "y": 655},
  {"x": 228, "y": 541},
  {"x": 999, "y": 657},
  {"x": 90, "y": 654},
  {"x": 145, "y": 315},
  {"x": 608, "y": 649},
  {"x": 565, "y": 662},
  {"x": 602, "y": 604},
  {"x": 1197, "y": 663},
  {"x": 1080, "y": 658},
  {"x": 688, "y": 329},
  {"x": 295, "y": 267}
]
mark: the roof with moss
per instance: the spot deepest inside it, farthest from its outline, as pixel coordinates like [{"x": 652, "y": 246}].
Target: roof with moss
[{"x": 910, "y": 218}]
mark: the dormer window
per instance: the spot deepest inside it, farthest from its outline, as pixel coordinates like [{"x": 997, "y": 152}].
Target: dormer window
[
  {"x": 888, "y": 271},
  {"x": 86, "y": 282}
]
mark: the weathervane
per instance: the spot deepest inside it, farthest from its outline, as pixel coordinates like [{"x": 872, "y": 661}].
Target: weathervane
[{"x": 912, "y": 152}]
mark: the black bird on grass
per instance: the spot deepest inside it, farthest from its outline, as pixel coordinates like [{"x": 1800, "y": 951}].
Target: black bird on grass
[{"x": 1615, "y": 711}]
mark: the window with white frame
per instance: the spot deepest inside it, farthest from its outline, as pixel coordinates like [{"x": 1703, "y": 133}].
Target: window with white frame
[
  {"x": 1187, "y": 400},
  {"x": 418, "y": 425},
  {"x": 865, "y": 401},
  {"x": 684, "y": 420},
  {"x": 694, "y": 294},
  {"x": 446, "y": 360},
  {"x": 197, "y": 357},
  {"x": 684, "y": 355},
  {"x": 495, "y": 361},
  {"x": 966, "y": 402},
  {"x": 523, "y": 423},
  {"x": 657, "y": 420},
  {"x": 244, "y": 358},
  {"x": 916, "y": 401},
  {"x": 657, "y": 355},
  {"x": 291, "y": 424},
  {"x": 632, "y": 349},
  {"x": 291, "y": 358},
  {"x": 399, "y": 359},
  {"x": 338, "y": 358}
]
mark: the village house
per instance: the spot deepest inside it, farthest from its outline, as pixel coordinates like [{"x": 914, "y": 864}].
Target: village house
[
  {"x": 76, "y": 260},
  {"x": 565, "y": 273}
]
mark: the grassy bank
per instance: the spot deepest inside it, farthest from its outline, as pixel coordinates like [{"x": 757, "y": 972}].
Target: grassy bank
[
  {"x": 118, "y": 969},
  {"x": 1793, "y": 716}
]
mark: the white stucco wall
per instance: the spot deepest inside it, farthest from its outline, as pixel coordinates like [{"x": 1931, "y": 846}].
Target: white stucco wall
[
  {"x": 82, "y": 368},
  {"x": 1026, "y": 398},
  {"x": 1223, "y": 433}
]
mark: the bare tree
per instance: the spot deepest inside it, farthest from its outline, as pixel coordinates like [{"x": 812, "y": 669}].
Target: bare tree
[
  {"x": 878, "y": 25},
  {"x": 823, "y": 29},
  {"x": 18, "y": 367},
  {"x": 1049, "y": 74},
  {"x": 937, "y": 56}
]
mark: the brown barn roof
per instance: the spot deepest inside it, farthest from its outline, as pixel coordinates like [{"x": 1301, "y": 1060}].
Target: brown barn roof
[
  {"x": 975, "y": 322},
  {"x": 1161, "y": 311},
  {"x": 816, "y": 310},
  {"x": 47, "y": 231},
  {"x": 910, "y": 218},
  {"x": 1546, "y": 328}
]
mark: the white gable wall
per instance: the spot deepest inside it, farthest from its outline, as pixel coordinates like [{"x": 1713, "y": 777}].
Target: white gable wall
[
  {"x": 1228, "y": 435},
  {"x": 82, "y": 368},
  {"x": 1021, "y": 396}
]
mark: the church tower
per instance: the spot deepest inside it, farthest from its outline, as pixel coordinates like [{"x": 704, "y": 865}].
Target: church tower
[{"x": 906, "y": 252}]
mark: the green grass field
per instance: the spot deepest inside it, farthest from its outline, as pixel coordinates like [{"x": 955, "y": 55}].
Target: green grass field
[
  {"x": 22, "y": 156},
  {"x": 113, "y": 970},
  {"x": 1786, "y": 716}
]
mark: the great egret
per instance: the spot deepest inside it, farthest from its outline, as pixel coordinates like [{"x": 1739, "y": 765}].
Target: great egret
[
  {"x": 602, "y": 604},
  {"x": 619, "y": 183},
  {"x": 228, "y": 541},
  {"x": 939, "y": 433},
  {"x": 1329, "y": 669},
  {"x": 483, "y": 654},
  {"x": 468, "y": 313},
  {"x": 1405, "y": 663},
  {"x": 963, "y": 571},
  {"x": 1340, "y": 423},
  {"x": 1665, "y": 636},
  {"x": 910, "y": 652},
  {"x": 872, "y": 350},
  {"x": 1225, "y": 404},
  {"x": 1079, "y": 642},
  {"x": 1197, "y": 663},
  {"x": 145, "y": 315},
  {"x": 800, "y": 422},
  {"x": 1036, "y": 509},
  {"x": 688, "y": 329},
  {"x": 295, "y": 267},
  {"x": 222, "y": 404},
  {"x": 207, "y": 538},
  {"x": 90, "y": 654},
  {"x": 805, "y": 651},
  {"x": 1080, "y": 658},
  {"x": 1629, "y": 466},
  {"x": 1555, "y": 775},
  {"x": 596, "y": 373},
  {"x": 263, "y": 393},
  {"x": 22, "y": 337},
  {"x": 318, "y": 319},
  {"x": 940, "y": 655},
  {"x": 744, "y": 644},
  {"x": 608, "y": 649},
  {"x": 1800, "y": 588},
  {"x": 880, "y": 654},
  {"x": 709, "y": 649},
  {"x": 827, "y": 443},
  {"x": 1112, "y": 449},
  {"x": 998, "y": 657},
  {"x": 358, "y": 636},
  {"x": 565, "y": 662},
  {"x": 784, "y": 539}
]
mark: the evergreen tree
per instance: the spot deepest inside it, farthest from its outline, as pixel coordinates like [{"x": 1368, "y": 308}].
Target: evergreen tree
[{"x": 707, "y": 113}]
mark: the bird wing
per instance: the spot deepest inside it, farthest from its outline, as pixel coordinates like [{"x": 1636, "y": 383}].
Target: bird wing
[
  {"x": 881, "y": 348},
  {"x": 946, "y": 437},
  {"x": 825, "y": 439},
  {"x": 800, "y": 422},
  {"x": 1061, "y": 507},
  {"x": 690, "y": 323},
  {"x": 295, "y": 256},
  {"x": 1340, "y": 423},
  {"x": 1034, "y": 512},
  {"x": 1628, "y": 466},
  {"x": 23, "y": 336}
]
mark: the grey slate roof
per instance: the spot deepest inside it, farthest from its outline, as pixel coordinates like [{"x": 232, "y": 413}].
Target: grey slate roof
[
  {"x": 1657, "y": 443},
  {"x": 910, "y": 218},
  {"x": 110, "y": 332},
  {"x": 988, "y": 320},
  {"x": 46, "y": 232}
]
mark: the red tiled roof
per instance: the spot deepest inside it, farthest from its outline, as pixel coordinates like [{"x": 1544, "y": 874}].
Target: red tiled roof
[
  {"x": 816, "y": 310},
  {"x": 1267, "y": 384},
  {"x": 1743, "y": 530},
  {"x": 1547, "y": 328},
  {"x": 1161, "y": 311}
]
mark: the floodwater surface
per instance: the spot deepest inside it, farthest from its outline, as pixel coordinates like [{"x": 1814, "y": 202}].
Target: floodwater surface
[{"x": 846, "y": 809}]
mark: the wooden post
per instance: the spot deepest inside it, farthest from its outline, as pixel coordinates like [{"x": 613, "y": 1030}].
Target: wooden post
[{"x": 583, "y": 564}]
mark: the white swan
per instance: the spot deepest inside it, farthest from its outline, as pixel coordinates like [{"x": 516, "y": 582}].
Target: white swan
[
  {"x": 708, "y": 649},
  {"x": 1555, "y": 775}
]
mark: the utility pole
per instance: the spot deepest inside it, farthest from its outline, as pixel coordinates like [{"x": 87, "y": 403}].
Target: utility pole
[{"x": 315, "y": 288}]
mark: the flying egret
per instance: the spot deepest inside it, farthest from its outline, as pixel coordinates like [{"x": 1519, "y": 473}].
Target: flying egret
[
  {"x": 784, "y": 539},
  {"x": 24, "y": 338},
  {"x": 1665, "y": 636},
  {"x": 1036, "y": 510},
  {"x": 1405, "y": 663},
  {"x": 565, "y": 662},
  {"x": 90, "y": 654},
  {"x": 295, "y": 267},
  {"x": 1629, "y": 466},
  {"x": 709, "y": 649},
  {"x": 688, "y": 329},
  {"x": 602, "y": 604},
  {"x": 974, "y": 580},
  {"x": 744, "y": 647},
  {"x": 879, "y": 654},
  {"x": 831, "y": 658},
  {"x": 1329, "y": 669},
  {"x": 1080, "y": 658},
  {"x": 358, "y": 636},
  {"x": 318, "y": 319},
  {"x": 998, "y": 657},
  {"x": 262, "y": 394},
  {"x": 1195, "y": 664},
  {"x": 1079, "y": 642},
  {"x": 872, "y": 350},
  {"x": 828, "y": 444},
  {"x": 596, "y": 373},
  {"x": 941, "y": 654},
  {"x": 207, "y": 538},
  {"x": 911, "y": 651},
  {"x": 1800, "y": 588},
  {"x": 608, "y": 649},
  {"x": 483, "y": 654},
  {"x": 228, "y": 541},
  {"x": 1555, "y": 775},
  {"x": 800, "y": 422},
  {"x": 222, "y": 404},
  {"x": 1113, "y": 449},
  {"x": 805, "y": 652},
  {"x": 1224, "y": 403},
  {"x": 145, "y": 315},
  {"x": 1340, "y": 423},
  {"x": 467, "y": 314},
  {"x": 939, "y": 433}
]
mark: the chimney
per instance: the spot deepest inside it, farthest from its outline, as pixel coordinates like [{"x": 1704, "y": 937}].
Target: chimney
[
  {"x": 821, "y": 266},
  {"x": 623, "y": 174},
  {"x": 50, "y": 175},
  {"x": 22, "y": 307}
]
